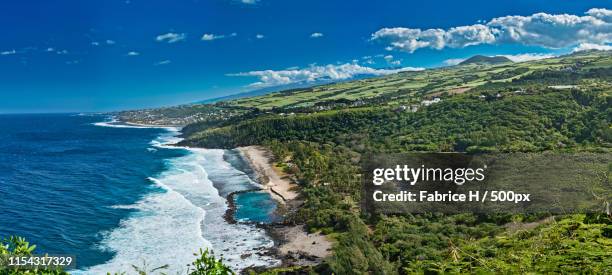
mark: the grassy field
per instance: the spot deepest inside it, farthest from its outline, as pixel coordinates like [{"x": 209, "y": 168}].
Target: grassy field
[{"x": 406, "y": 85}]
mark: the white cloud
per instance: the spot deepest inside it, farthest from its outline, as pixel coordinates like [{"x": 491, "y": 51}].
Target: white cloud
[
  {"x": 62, "y": 52},
  {"x": 316, "y": 35},
  {"x": 453, "y": 61},
  {"x": 388, "y": 57},
  {"x": 514, "y": 57},
  {"x": 590, "y": 46},
  {"x": 94, "y": 43},
  {"x": 313, "y": 73},
  {"x": 603, "y": 14},
  {"x": 210, "y": 37},
  {"x": 50, "y": 49},
  {"x": 540, "y": 29},
  {"x": 132, "y": 53},
  {"x": 110, "y": 42},
  {"x": 527, "y": 56},
  {"x": 259, "y": 36},
  {"x": 171, "y": 37},
  {"x": 249, "y": 2},
  {"x": 11, "y": 52},
  {"x": 163, "y": 62}
]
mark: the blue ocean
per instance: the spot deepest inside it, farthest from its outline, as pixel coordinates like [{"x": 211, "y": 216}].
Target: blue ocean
[{"x": 116, "y": 195}]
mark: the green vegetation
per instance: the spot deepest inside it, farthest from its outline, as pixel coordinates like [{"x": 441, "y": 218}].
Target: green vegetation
[
  {"x": 205, "y": 263},
  {"x": 319, "y": 135},
  {"x": 543, "y": 120},
  {"x": 19, "y": 247},
  {"x": 572, "y": 244},
  {"x": 409, "y": 87}
]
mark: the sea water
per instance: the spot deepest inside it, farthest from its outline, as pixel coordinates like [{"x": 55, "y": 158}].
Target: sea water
[{"x": 117, "y": 195}]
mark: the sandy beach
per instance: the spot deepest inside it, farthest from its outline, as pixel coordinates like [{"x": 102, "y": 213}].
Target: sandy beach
[
  {"x": 314, "y": 246},
  {"x": 274, "y": 180},
  {"x": 295, "y": 245}
]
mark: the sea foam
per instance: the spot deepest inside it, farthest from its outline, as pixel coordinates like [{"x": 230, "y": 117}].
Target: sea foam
[
  {"x": 114, "y": 123},
  {"x": 184, "y": 214}
]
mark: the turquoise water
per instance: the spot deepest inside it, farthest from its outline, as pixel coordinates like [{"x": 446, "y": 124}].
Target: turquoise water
[{"x": 256, "y": 206}]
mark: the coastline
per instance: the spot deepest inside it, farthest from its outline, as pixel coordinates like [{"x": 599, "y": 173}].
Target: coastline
[
  {"x": 152, "y": 125},
  {"x": 189, "y": 188},
  {"x": 273, "y": 180},
  {"x": 293, "y": 245}
]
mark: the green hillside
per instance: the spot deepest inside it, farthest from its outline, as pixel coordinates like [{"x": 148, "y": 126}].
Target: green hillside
[
  {"x": 405, "y": 87},
  {"x": 319, "y": 134}
]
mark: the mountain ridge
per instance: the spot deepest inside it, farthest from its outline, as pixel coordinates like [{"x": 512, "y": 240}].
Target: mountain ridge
[{"x": 486, "y": 60}]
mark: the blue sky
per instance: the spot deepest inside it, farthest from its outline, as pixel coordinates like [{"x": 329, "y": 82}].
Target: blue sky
[{"x": 72, "y": 56}]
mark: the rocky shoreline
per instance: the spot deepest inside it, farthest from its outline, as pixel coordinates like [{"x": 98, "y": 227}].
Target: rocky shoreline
[
  {"x": 292, "y": 244},
  {"x": 282, "y": 234}
]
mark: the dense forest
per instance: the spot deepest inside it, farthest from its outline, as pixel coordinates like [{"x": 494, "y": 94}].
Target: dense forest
[{"x": 542, "y": 120}]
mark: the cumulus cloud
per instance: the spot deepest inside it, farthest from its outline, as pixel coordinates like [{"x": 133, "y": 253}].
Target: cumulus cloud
[
  {"x": 540, "y": 29},
  {"x": 249, "y": 2},
  {"x": 313, "y": 73},
  {"x": 590, "y": 46},
  {"x": 514, "y": 57},
  {"x": 211, "y": 37},
  {"x": 391, "y": 60},
  {"x": 259, "y": 36},
  {"x": 316, "y": 35},
  {"x": 171, "y": 37},
  {"x": 110, "y": 42},
  {"x": 132, "y": 53}
]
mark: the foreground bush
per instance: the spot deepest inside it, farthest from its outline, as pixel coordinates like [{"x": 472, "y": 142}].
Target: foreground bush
[{"x": 205, "y": 263}]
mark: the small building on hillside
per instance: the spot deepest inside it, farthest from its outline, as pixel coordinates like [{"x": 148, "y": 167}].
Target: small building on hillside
[{"x": 429, "y": 102}]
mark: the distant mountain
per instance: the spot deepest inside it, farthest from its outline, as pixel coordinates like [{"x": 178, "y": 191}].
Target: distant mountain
[
  {"x": 486, "y": 60},
  {"x": 267, "y": 90},
  {"x": 257, "y": 92}
]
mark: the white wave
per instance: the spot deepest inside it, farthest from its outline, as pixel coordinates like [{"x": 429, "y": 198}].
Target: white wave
[
  {"x": 166, "y": 140},
  {"x": 185, "y": 215},
  {"x": 233, "y": 242}
]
